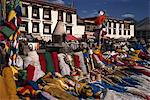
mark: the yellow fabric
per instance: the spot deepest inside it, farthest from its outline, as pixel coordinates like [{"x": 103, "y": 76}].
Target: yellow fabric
[
  {"x": 3, "y": 89},
  {"x": 10, "y": 83},
  {"x": 57, "y": 92},
  {"x": 11, "y": 37},
  {"x": 11, "y": 15}
]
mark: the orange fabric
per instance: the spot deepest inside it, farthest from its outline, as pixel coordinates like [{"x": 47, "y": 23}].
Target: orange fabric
[{"x": 99, "y": 20}]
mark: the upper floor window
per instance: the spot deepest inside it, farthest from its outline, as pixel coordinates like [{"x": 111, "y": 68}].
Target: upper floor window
[
  {"x": 46, "y": 13},
  {"x": 127, "y": 26},
  {"x": 120, "y": 26},
  {"x": 114, "y": 25},
  {"x": 47, "y": 29},
  {"x": 69, "y": 17},
  {"x": 24, "y": 10},
  {"x": 60, "y": 15},
  {"x": 35, "y": 12},
  {"x": 109, "y": 24},
  {"x": 35, "y": 27}
]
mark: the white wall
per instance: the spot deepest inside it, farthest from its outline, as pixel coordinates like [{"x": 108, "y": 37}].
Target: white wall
[
  {"x": 77, "y": 30},
  {"x": 117, "y": 31}
]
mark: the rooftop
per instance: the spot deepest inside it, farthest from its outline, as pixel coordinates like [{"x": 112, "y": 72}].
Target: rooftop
[{"x": 51, "y": 5}]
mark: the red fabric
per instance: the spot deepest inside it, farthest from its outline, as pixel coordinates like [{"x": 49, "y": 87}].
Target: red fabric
[
  {"x": 11, "y": 25},
  {"x": 145, "y": 72},
  {"x": 42, "y": 62},
  {"x": 70, "y": 37},
  {"x": 104, "y": 33},
  {"x": 30, "y": 72},
  {"x": 76, "y": 61},
  {"x": 2, "y": 37},
  {"x": 100, "y": 19},
  {"x": 55, "y": 61},
  {"x": 19, "y": 21}
]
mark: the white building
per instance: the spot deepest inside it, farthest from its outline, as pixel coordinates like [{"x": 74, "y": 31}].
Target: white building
[
  {"x": 40, "y": 18},
  {"x": 115, "y": 28}
]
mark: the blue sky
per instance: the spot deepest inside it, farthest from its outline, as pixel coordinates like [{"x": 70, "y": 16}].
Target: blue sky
[{"x": 137, "y": 9}]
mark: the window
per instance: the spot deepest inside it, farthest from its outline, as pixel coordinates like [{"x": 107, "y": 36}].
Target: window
[
  {"x": 24, "y": 27},
  {"x": 128, "y": 32},
  {"x": 35, "y": 27},
  {"x": 127, "y": 26},
  {"x": 124, "y": 32},
  {"x": 47, "y": 29},
  {"x": 46, "y": 13},
  {"x": 60, "y": 15},
  {"x": 114, "y": 31},
  {"x": 120, "y": 32},
  {"x": 69, "y": 17},
  {"x": 24, "y": 11},
  {"x": 35, "y": 12},
  {"x": 109, "y": 31},
  {"x": 120, "y": 29},
  {"x": 87, "y": 28},
  {"x": 120, "y": 26},
  {"x": 69, "y": 29},
  {"x": 109, "y": 24},
  {"x": 114, "y": 25}
]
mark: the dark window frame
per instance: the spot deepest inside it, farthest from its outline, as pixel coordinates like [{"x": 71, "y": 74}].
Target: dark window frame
[
  {"x": 49, "y": 25},
  {"x": 36, "y": 23},
  {"x": 26, "y": 10},
  {"x": 109, "y": 31},
  {"x": 60, "y": 13},
  {"x": 47, "y": 9},
  {"x": 129, "y": 32},
  {"x": 70, "y": 28},
  {"x": 68, "y": 14},
  {"x": 124, "y": 32},
  {"x": 26, "y": 26},
  {"x": 38, "y": 13}
]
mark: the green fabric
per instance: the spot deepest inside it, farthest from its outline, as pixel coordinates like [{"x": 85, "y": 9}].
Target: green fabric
[
  {"x": 49, "y": 62},
  {"x": 7, "y": 31}
]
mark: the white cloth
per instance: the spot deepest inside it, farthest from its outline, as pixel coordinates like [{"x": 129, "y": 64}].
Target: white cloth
[
  {"x": 82, "y": 63},
  {"x": 19, "y": 62},
  {"x": 33, "y": 59},
  {"x": 65, "y": 69}
]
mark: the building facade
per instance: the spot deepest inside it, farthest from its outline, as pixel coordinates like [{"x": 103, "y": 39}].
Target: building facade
[
  {"x": 40, "y": 18},
  {"x": 115, "y": 28},
  {"x": 143, "y": 30}
]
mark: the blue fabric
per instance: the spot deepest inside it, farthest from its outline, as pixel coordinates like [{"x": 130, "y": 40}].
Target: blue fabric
[
  {"x": 34, "y": 85},
  {"x": 95, "y": 87},
  {"x": 131, "y": 81},
  {"x": 112, "y": 87}
]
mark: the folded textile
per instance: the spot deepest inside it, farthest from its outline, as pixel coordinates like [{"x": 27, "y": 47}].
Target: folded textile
[
  {"x": 65, "y": 69},
  {"x": 42, "y": 62},
  {"x": 10, "y": 83},
  {"x": 55, "y": 61},
  {"x": 82, "y": 64},
  {"x": 49, "y": 62}
]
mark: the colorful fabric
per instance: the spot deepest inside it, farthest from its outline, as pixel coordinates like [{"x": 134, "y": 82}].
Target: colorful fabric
[
  {"x": 49, "y": 62},
  {"x": 55, "y": 61},
  {"x": 64, "y": 68},
  {"x": 10, "y": 83},
  {"x": 42, "y": 62},
  {"x": 30, "y": 72},
  {"x": 6, "y": 31},
  {"x": 76, "y": 61}
]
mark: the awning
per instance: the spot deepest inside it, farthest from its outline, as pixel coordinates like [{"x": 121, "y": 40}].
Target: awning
[{"x": 70, "y": 37}]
